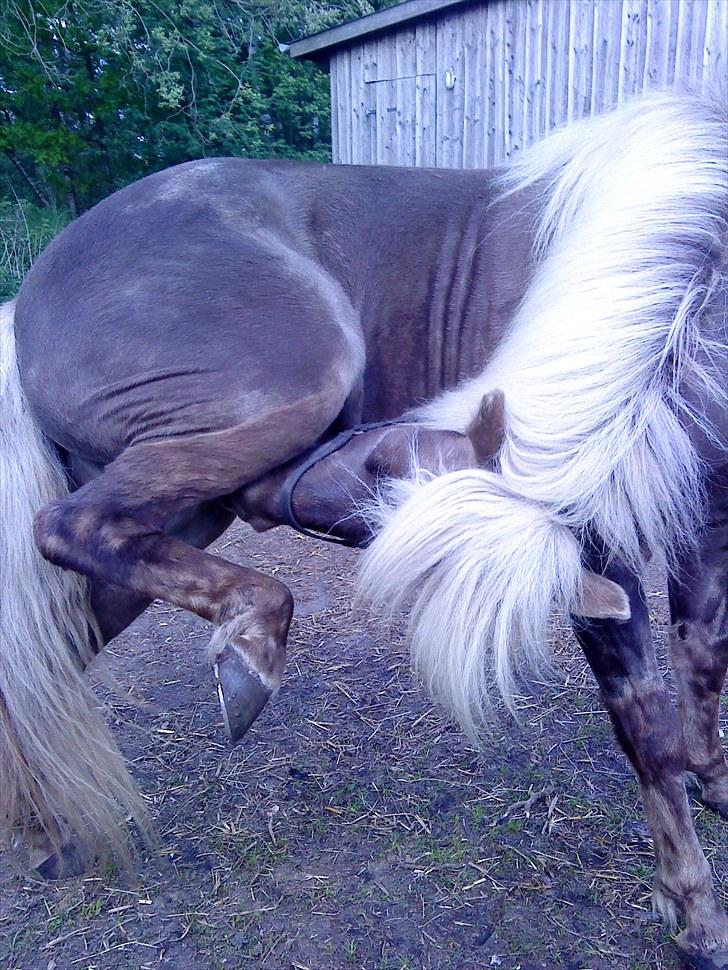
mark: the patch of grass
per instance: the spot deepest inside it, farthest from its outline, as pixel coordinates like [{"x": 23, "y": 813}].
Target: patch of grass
[
  {"x": 450, "y": 853},
  {"x": 395, "y": 962},
  {"x": 91, "y": 909},
  {"x": 350, "y": 797},
  {"x": 15, "y": 946},
  {"x": 59, "y": 919},
  {"x": 513, "y": 825},
  {"x": 25, "y": 231},
  {"x": 481, "y": 815}
]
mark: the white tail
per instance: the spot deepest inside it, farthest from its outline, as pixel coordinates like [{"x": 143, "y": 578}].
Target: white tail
[
  {"x": 606, "y": 358},
  {"x": 60, "y": 771}
]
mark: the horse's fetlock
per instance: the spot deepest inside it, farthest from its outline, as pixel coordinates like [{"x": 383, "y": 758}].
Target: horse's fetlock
[
  {"x": 266, "y": 604},
  {"x": 714, "y": 794},
  {"x": 706, "y": 931},
  {"x": 665, "y": 905},
  {"x": 687, "y": 886},
  {"x": 254, "y": 621},
  {"x": 272, "y": 606},
  {"x": 278, "y": 601}
]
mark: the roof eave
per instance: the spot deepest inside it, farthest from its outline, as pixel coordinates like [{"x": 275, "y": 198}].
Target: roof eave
[{"x": 319, "y": 46}]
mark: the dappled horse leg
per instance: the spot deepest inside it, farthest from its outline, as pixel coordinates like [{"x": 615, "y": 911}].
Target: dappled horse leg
[
  {"x": 113, "y": 531},
  {"x": 699, "y": 653},
  {"x": 622, "y": 656},
  {"x": 114, "y": 608}
]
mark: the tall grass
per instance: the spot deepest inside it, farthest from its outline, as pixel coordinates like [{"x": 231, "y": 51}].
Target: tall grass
[{"x": 25, "y": 230}]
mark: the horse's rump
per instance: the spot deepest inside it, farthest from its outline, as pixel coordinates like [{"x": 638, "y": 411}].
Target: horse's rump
[
  {"x": 185, "y": 322},
  {"x": 60, "y": 770}
]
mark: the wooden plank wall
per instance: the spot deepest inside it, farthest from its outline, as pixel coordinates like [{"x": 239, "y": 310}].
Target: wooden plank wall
[{"x": 521, "y": 67}]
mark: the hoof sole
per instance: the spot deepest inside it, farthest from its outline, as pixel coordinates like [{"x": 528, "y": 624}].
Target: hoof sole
[
  {"x": 705, "y": 961},
  {"x": 241, "y": 693},
  {"x": 72, "y": 861}
]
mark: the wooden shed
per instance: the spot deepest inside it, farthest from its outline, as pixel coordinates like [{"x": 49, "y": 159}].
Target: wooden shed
[{"x": 466, "y": 83}]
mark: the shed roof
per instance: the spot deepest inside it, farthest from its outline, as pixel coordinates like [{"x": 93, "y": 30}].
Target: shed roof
[{"x": 319, "y": 46}]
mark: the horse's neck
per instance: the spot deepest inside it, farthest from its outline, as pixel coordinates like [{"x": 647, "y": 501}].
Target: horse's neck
[{"x": 436, "y": 298}]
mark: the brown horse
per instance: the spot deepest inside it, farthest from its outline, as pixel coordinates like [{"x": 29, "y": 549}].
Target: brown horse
[{"x": 177, "y": 351}]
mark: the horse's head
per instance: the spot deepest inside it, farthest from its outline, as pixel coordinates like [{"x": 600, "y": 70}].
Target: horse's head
[
  {"x": 403, "y": 447},
  {"x": 334, "y": 493},
  {"x": 332, "y": 496}
]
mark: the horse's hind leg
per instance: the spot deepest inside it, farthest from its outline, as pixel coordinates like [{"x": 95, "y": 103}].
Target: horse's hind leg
[
  {"x": 113, "y": 531},
  {"x": 622, "y": 656},
  {"x": 114, "y": 608},
  {"x": 699, "y": 653}
]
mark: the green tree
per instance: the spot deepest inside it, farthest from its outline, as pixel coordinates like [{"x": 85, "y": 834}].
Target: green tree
[{"x": 95, "y": 93}]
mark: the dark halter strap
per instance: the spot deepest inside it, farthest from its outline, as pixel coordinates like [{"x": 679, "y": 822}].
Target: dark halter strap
[{"x": 311, "y": 458}]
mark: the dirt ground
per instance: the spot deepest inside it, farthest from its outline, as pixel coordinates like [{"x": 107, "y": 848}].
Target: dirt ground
[{"x": 355, "y": 827}]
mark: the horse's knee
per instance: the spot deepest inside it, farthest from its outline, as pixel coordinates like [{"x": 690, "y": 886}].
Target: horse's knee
[
  {"x": 54, "y": 532},
  {"x": 83, "y": 535},
  {"x": 46, "y": 532}
]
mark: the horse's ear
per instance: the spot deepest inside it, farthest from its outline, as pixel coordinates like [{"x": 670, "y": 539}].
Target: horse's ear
[
  {"x": 601, "y": 598},
  {"x": 488, "y": 428}
]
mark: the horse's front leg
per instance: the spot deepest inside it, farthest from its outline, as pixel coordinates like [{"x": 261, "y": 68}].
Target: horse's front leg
[
  {"x": 622, "y": 656},
  {"x": 114, "y": 607},
  {"x": 114, "y": 530}
]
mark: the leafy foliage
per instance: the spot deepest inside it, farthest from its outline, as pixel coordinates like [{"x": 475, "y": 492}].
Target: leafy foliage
[{"x": 95, "y": 93}]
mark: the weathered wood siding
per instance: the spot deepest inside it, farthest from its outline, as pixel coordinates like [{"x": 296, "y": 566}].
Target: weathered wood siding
[{"x": 520, "y": 68}]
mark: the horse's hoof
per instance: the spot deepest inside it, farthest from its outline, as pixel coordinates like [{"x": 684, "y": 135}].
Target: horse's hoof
[
  {"x": 72, "y": 860},
  {"x": 719, "y": 805},
  {"x": 716, "y": 803},
  {"x": 701, "y": 952},
  {"x": 241, "y": 693},
  {"x": 705, "y": 961}
]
